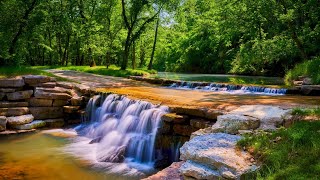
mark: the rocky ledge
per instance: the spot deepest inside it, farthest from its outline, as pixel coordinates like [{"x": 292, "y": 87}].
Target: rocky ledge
[{"x": 32, "y": 101}]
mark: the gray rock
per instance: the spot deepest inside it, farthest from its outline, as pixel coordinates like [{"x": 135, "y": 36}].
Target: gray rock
[
  {"x": 34, "y": 102},
  {"x": 307, "y": 81},
  {"x": 3, "y": 123},
  {"x": 6, "y": 104},
  {"x": 200, "y": 123},
  {"x": 17, "y": 111},
  {"x": 231, "y": 123},
  {"x": 19, "y": 120},
  {"x": 33, "y": 125},
  {"x": 214, "y": 156},
  {"x": 53, "y": 90},
  {"x": 7, "y": 90},
  {"x": 48, "y": 95},
  {"x": 45, "y": 85},
  {"x": 310, "y": 90},
  {"x": 19, "y": 95},
  {"x": 12, "y": 82},
  {"x": 46, "y": 112},
  {"x": 35, "y": 79}
]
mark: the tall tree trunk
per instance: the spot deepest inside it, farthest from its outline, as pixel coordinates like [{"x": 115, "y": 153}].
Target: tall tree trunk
[
  {"x": 50, "y": 44},
  {"x": 126, "y": 51},
  {"x": 154, "y": 43},
  {"x": 64, "y": 61},
  {"x": 133, "y": 57},
  {"x": 142, "y": 54}
]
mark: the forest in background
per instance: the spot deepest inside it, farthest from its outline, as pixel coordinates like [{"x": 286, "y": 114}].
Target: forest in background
[{"x": 253, "y": 37}]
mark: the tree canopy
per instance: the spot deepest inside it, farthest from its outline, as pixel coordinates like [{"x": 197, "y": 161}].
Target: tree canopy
[{"x": 257, "y": 37}]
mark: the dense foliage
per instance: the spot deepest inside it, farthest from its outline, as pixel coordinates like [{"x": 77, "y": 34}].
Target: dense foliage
[
  {"x": 257, "y": 37},
  {"x": 288, "y": 153}
]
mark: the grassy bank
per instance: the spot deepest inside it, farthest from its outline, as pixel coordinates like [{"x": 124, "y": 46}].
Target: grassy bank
[
  {"x": 291, "y": 153},
  {"x": 309, "y": 68},
  {"x": 7, "y": 72},
  {"x": 102, "y": 70}
]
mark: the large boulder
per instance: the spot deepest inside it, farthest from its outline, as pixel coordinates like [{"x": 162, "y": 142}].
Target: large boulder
[
  {"x": 215, "y": 156},
  {"x": 231, "y": 123},
  {"x": 46, "y": 112},
  {"x": 19, "y": 120},
  {"x": 3, "y": 123},
  {"x": 19, "y": 95},
  {"x": 6, "y": 104},
  {"x": 12, "y": 82},
  {"x": 32, "y": 125},
  {"x": 16, "y": 111}
]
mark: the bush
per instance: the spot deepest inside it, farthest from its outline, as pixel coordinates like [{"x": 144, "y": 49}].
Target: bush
[{"x": 309, "y": 68}]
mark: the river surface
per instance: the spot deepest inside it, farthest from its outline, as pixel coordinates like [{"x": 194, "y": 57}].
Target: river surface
[
  {"x": 40, "y": 155},
  {"x": 221, "y": 78}
]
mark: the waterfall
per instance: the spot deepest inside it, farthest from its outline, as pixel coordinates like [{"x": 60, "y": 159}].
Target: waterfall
[
  {"x": 119, "y": 130},
  {"x": 229, "y": 88}
]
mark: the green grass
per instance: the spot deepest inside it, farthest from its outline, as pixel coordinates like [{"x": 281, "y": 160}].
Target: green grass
[
  {"x": 306, "y": 112},
  {"x": 102, "y": 70},
  {"x": 310, "y": 68},
  {"x": 292, "y": 153},
  {"x": 10, "y": 71}
]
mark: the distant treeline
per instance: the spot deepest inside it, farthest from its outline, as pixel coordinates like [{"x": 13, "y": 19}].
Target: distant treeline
[{"x": 257, "y": 37}]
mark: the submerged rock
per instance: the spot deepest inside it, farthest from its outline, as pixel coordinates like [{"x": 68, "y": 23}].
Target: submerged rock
[
  {"x": 214, "y": 156},
  {"x": 19, "y": 120},
  {"x": 33, "y": 125}
]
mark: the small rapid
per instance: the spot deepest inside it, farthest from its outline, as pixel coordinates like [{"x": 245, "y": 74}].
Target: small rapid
[
  {"x": 118, "y": 134},
  {"x": 228, "y": 88}
]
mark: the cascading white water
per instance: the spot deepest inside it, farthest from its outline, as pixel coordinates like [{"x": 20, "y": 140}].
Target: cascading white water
[{"x": 120, "y": 130}]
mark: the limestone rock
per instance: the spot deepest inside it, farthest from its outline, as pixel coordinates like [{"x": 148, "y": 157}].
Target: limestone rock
[
  {"x": 47, "y": 95},
  {"x": 192, "y": 111},
  {"x": 19, "y": 95},
  {"x": 59, "y": 103},
  {"x": 174, "y": 118},
  {"x": 12, "y": 82},
  {"x": 231, "y": 123},
  {"x": 3, "y": 123},
  {"x": 214, "y": 156},
  {"x": 17, "y": 111},
  {"x": 165, "y": 128},
  {"x": 35, "y": 79},
  {"x": 33, "y": 125},
  {"x": 19, "y": 120},
  {"x": 6, "y": 104},
  {"x": 71, "y": 109},
  {"x": 169, "y": 173},
  {"x": 76, "y": 101},
  {"x": 53, "y": 90},
  {"x": 34, "y": 102},
  {"x": 184, "y": 130},
  {"x": 45, "y": 85},
  {"x": 54, "y": 123},
  {"x": 200, "y": 123},
  {"x": 270, "y": 117},
  {"x": 65, "y": 85},
  {"x": 46, "y": 112},
  {"x": 7, "y": 90},
  {"x": 212, "y": 114},
  {"x": 307, "y": 81}
]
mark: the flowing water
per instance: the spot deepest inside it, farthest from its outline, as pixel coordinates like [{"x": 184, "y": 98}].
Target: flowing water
[
  {"x": 40, "y": 156},
  {"x": 118, "y": 135}
]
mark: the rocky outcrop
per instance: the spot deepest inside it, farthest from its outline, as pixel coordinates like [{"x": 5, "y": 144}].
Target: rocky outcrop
[
  {"x": 215, "y": 156},
  {"x": 3, "y": 123},
  {"x": 19, "y": 95},
  {"x": 47, "y": 112},
  {"x": 14, "y": 111},
  {"x": 19, "y": 120},
  {"x": 12, "y": 82},
  {"x": 169, "y": 173}
]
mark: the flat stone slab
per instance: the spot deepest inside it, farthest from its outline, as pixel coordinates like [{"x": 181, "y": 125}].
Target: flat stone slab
[
  {"x": 70, "y": 109},
  {"x": 54, "y": 90},
  {"x": 33, "y": 125},
  {"x": 3, "y": 123},
  {"x": 17, "y": 111},
  {"x": 6, "y": 104},
  {"x": 7, "y": 90},
  {"x": 169, "y": 173},
  {"x": 19, "y": 95},
  {"x": 19, "y": 120},
  {"x": 11, "y": 132},
  {"x": 59, "y": 103},
  {"x": 36, "y": 79},
  {"x": 47, "y": 95},
  {"x": 34, "y": 102},
  {"x": 174, "y": 118},
  {"x": 46, "y": 112},
  {"x": 66, "y": 85},
  {"x": 215, "y": 155},
  {"x": 12, "y": 82}
]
